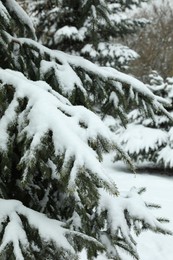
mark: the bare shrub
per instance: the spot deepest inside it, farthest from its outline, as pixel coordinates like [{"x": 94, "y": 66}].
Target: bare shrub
[{"x": 154, "y": 43}]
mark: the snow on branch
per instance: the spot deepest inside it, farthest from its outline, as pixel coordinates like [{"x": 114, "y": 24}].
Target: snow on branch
[
  {"x": 4, "y": 15},
  {"x": 111, "y": 52},
  {"x": 29, "y": 231},
  {"x": 16, "y": 220},
  {"x": 138, "y": 139},
  {"x": 53, "y": 66},
  {"x": 14, "y": 9},
  {"x": 165, "y": 155},
  {"x": 74, "y": 131},
  {"x": 130, "y": 212}
]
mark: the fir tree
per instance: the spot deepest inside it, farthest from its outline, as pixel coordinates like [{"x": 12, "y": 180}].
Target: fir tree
[
  {"x": 89, "y": 28},
  {"x": 152, "y": 135},
  {"x": 51, "y": 147}
]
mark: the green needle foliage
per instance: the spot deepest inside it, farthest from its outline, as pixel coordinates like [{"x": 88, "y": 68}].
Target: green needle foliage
[
  {"x": 56, "y": 198},
  {"x": 158, "y": 150},
  {"x": 89, "y": 28}
]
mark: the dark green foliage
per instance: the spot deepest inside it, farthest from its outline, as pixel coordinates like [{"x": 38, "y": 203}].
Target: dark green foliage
[
  {"x": 54, "y": 167},
  {"x": 158, "y": 152},
  {"x": 89, "y": 28}
]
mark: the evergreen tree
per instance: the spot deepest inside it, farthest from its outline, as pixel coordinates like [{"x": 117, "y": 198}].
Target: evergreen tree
[
  {"x": 150, "y": 138},
  {"x": 51, "y": 147},
  {"x": 89, "y": 28}
]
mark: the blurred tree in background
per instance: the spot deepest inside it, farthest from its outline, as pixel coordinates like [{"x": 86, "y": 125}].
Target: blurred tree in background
[
  {"x": 154, "y": 44},
  {"x": 90, "y": 28}
]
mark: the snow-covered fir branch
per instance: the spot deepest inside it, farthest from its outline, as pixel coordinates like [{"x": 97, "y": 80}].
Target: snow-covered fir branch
[
  {"x": 51, "y": 148},
  {"x": 149, "y": 139}
]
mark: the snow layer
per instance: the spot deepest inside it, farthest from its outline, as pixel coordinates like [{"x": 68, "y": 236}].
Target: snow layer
[
  {"x": 46, "y": 112},
  {"x": 4, "y": 12},
  {"x": 138, "y": 139},
  {"x": 62, "y": 64},
  {"x": 68, "y": 32},
  {"x": 13, "y": 6},
  {"x": 54, "y": 230},
  {"x": 14, "y": 233},
  {"x": 110, "y": 51},
  {"x": 166, "y": 156},
  {"x": 160, "y": 191}
]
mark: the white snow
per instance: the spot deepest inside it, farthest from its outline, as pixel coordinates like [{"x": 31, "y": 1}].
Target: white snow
[
  {"x": 110, "y": 51},
  {"x": 160, "y": 191},
  {"x": 150, "y": 246},
  {"x": 4, "y": 13},
  {"x": 138, "y": 138},
  {"x": 68, "y": 32},
  {"x": 71, "y": 63},
  {"x": 166, "y": 156},
  {"x": 46, "y": 112},
  {"x": 8, "y": 117},
  {"x": 48, "y": 229},
  {"x": 22, "y": 15},
  {"x": 148, "y": 7},
  {"x": 14, "y": 233},
  {"x": 61, "y": 71}
]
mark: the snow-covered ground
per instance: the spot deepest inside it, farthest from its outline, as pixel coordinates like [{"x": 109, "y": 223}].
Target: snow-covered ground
[
  {"x": 151, "y": 246},
  {"x": 159, "y": 190}
]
